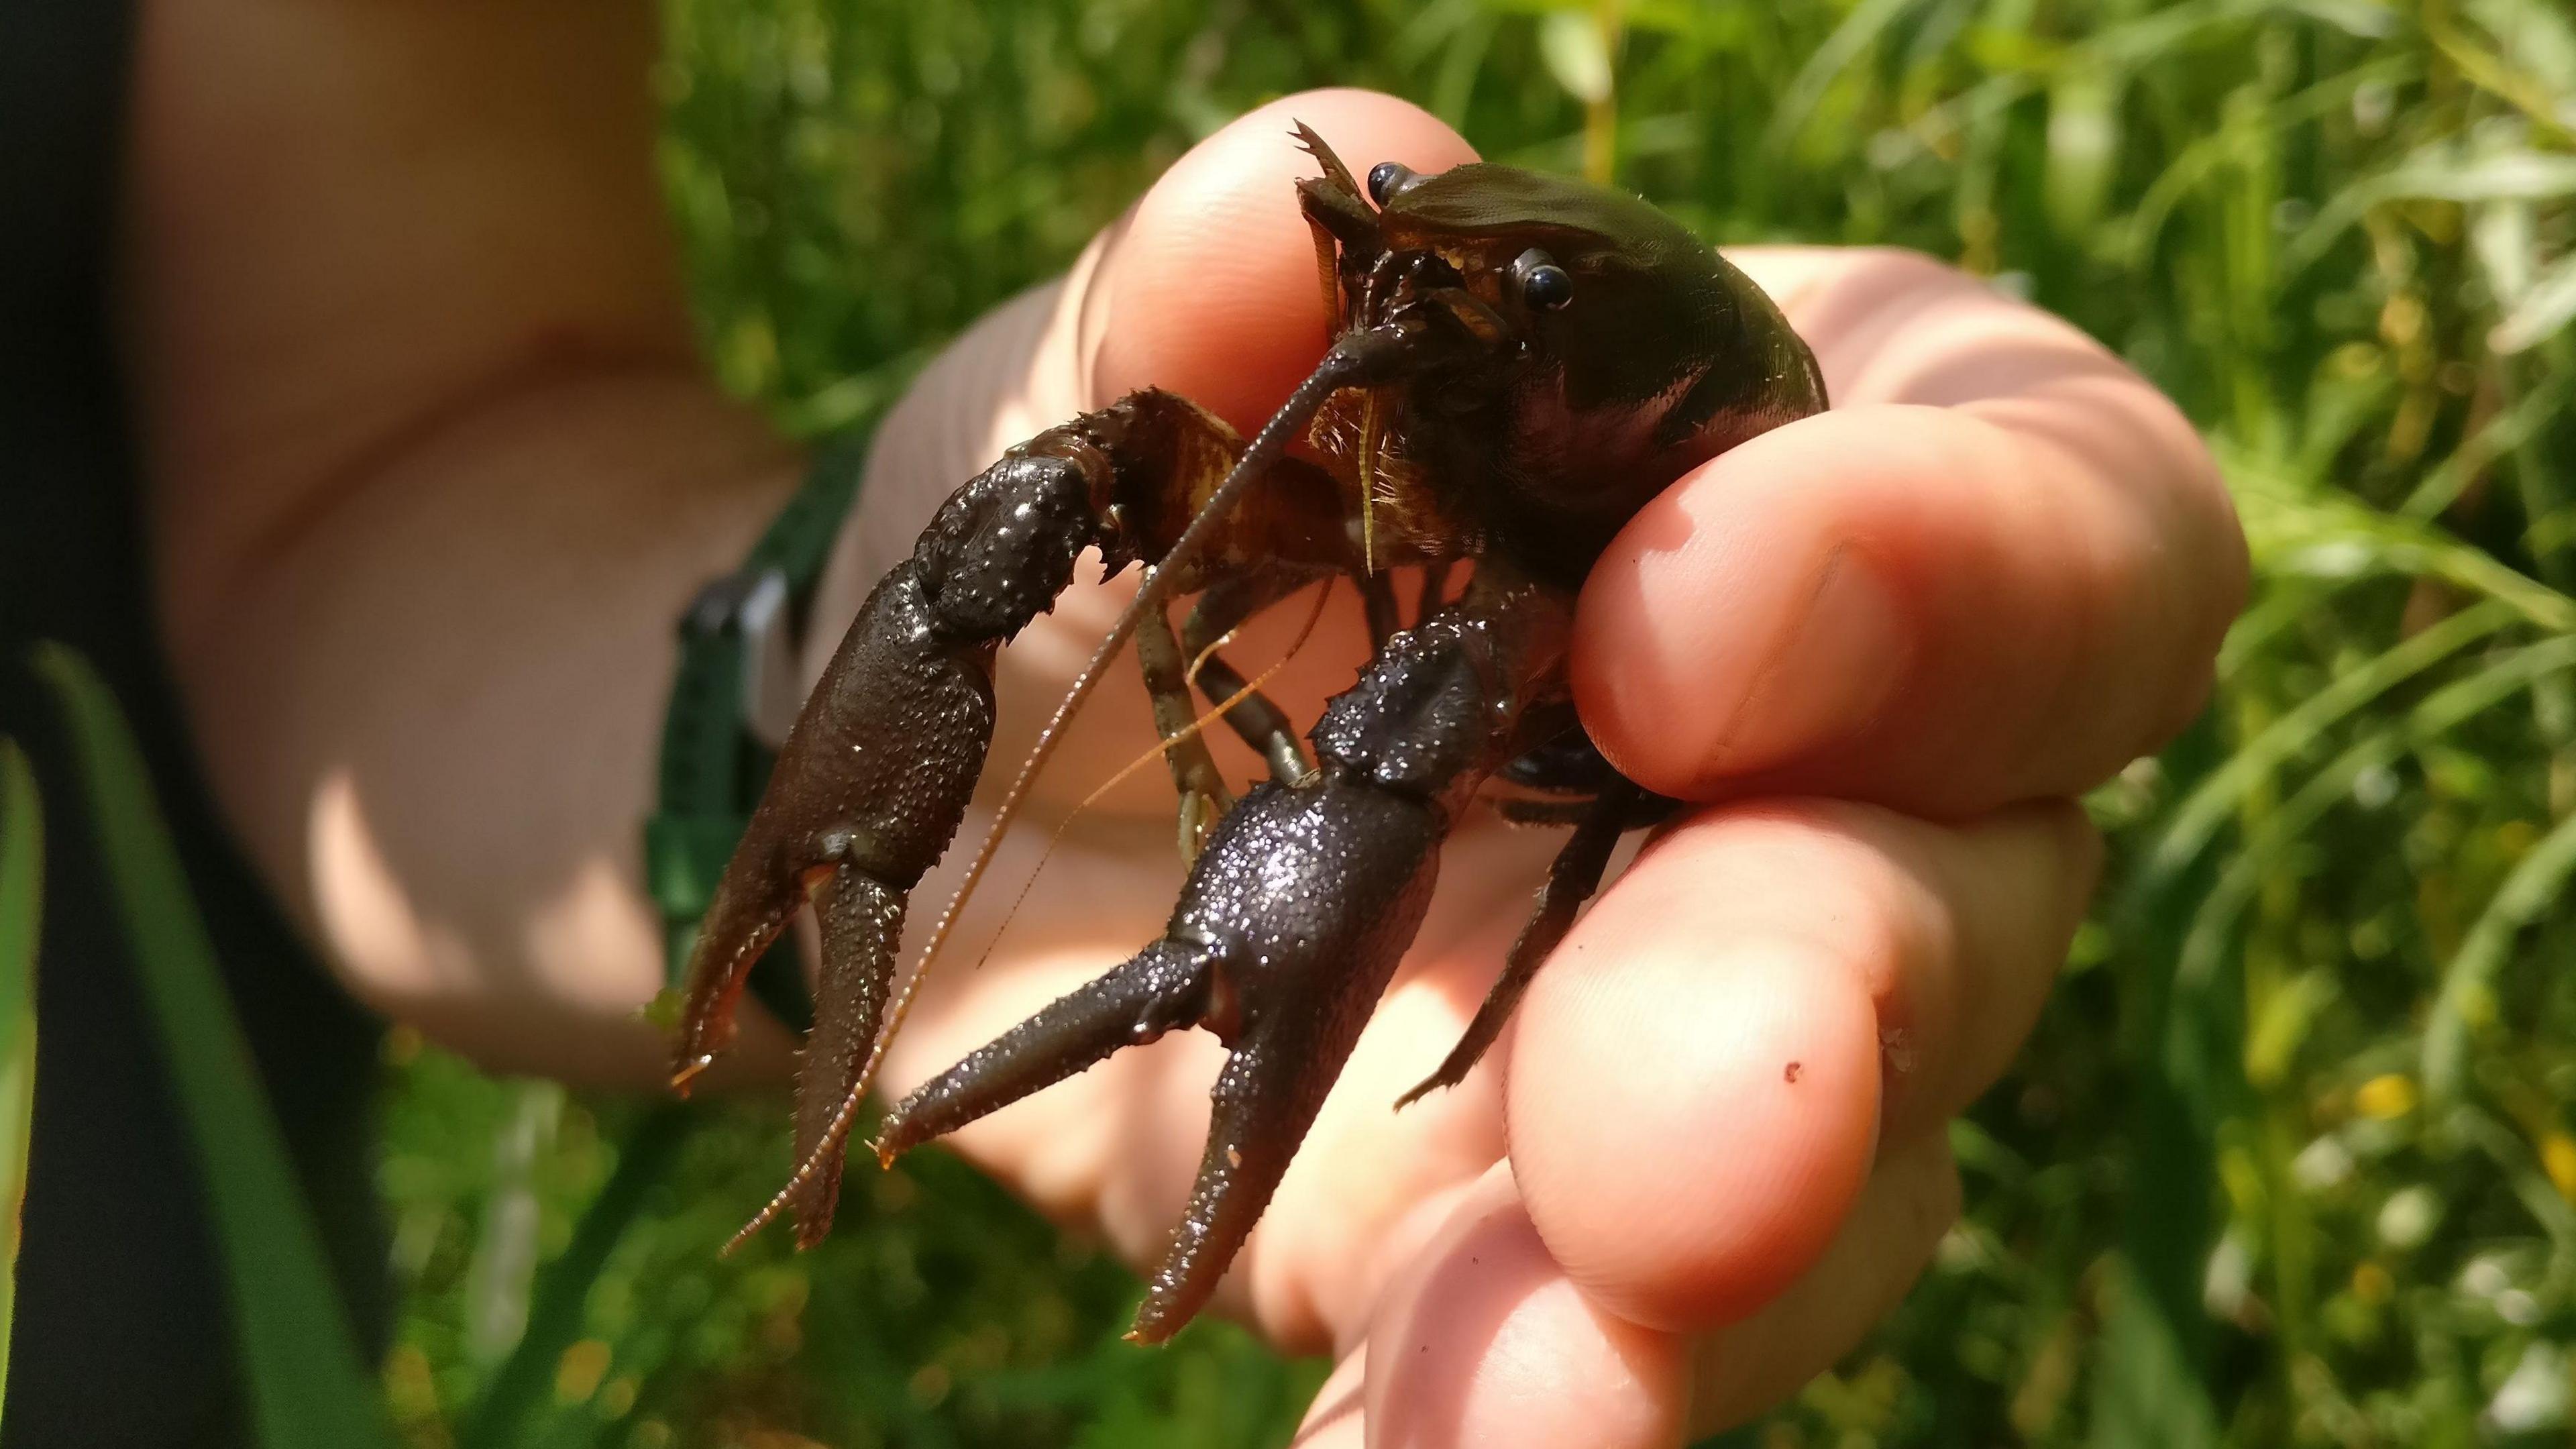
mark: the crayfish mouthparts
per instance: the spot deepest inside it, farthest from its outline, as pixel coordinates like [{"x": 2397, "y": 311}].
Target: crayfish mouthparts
[{"x": 1520, "y": 362}]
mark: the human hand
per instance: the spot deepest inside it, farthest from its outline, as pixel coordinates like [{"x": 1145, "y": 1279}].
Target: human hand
[{"x": 1884, "y": 647}]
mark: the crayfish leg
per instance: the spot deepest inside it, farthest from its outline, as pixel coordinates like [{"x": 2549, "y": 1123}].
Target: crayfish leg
[
  {"x": 1254, "y": 718},
  {"x": 1571, "y": 880},
  {"x": 1195, "y": 777}
]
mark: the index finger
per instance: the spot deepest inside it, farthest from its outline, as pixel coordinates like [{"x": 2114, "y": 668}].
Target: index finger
[{"x": 1997, "y": 570}]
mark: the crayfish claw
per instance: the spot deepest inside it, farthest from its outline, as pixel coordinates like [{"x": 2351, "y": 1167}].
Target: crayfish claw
[
  {"x": 862, "y": 922},
  {"x": 1164, "y": 987},
  {"x": 1264, "y": 1101},
  {"x": 752, "y": 904}
]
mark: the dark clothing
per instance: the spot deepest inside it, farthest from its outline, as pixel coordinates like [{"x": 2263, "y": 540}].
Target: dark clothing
[{"x": 121, "y": 1332}]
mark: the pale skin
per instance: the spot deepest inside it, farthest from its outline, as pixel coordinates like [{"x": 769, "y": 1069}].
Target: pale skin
[{"x": 434, "y": 469}]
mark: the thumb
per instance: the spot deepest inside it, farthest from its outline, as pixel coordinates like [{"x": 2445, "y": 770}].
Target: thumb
[{"x": 1209, "y": 286}]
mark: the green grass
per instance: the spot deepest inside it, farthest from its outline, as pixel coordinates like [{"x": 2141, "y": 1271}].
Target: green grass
[
  {"x": 303, "y": 1377},
  {"x": 2289, "y": 1160},
  {"x": 22, "y": 886}
]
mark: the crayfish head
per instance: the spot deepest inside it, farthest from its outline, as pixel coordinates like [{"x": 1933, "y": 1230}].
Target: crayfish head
[{"x": 1574, "y": 350}]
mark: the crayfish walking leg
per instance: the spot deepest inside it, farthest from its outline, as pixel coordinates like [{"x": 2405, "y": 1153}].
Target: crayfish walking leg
[{"x": 1291, "y": 923}]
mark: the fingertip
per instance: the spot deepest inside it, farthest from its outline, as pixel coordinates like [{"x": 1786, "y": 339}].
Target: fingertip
[
  {"x": 1212, "y": 289},
  {"x": 1893, "y": 1231},
  {"x": 1488, "y": 1343},
  {"x": 1693, "y": 1183}
]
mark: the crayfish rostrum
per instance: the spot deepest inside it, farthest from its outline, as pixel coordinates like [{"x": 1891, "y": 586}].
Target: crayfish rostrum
[{"x": 1520, "y": 362}]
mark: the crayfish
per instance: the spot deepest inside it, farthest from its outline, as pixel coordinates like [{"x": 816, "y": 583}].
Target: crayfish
[{"x": 1520, "y": 362}]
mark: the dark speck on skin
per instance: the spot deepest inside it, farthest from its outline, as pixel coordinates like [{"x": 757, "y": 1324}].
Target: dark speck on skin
[{"x": 1789, "y": 1073}]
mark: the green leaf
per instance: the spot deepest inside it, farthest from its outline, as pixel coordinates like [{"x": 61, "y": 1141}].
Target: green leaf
[
  {"x": 2210, "y": 805},
  {"x": 2301, "y": 532},
  {"x": 2149, "y": 1390},
  {"x": 2083, "y": 148},
  {"x": 1577, "y": 55},
  {"x": 307, "y": 1385},
  {"x": 2194, "y": 165},
  {"x": 2538, "y": 36},
  {"x": 2548, "y": 306},
  {"x": 2288, "y": 826},
  {"x": 22, "y": 886},
  {"x": 2437, "y": 173},
  {"x": 1850, "y": 40},
  {"x": 517, "y": 1390}
]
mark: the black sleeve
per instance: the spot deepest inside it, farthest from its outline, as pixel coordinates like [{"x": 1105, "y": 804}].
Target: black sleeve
[{"x": 121, "y": 1333}]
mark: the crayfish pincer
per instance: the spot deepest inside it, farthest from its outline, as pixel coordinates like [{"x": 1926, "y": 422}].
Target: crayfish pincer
[{"x": 1520, "y": 362}]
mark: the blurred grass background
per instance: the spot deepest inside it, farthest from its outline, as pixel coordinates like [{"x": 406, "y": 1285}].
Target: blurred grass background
[{"x": 2289, "y": 1161}]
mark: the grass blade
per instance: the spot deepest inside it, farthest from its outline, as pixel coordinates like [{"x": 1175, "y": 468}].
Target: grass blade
[
  {"x": 22, "y": 888},
  {"x": 307, "y": 1385},
  {"x": 2293, "y": 822},
  {"x": 2214, "y": 802},
  {"x": 518, "y": 1388},
  {"x": 2549, "y": 306},
  {"x": 2467, "y": 995},
  {"x": 2151, "y": 1381},
  {"x": 2435, "y": 174},
  {"x": 1859, "y": 30}
]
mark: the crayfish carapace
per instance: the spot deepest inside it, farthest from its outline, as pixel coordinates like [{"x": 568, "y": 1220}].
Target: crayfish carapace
[{"x": 1520, "y": 362}]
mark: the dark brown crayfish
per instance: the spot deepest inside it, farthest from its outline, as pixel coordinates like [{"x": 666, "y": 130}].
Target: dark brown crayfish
[{"x": 1521, "y": 361}]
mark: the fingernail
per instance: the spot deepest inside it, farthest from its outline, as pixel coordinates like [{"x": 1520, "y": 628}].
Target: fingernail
[{"x": 1838, "y": 662}]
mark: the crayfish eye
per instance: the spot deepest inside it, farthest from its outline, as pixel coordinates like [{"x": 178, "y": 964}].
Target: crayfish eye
[
  {"x": 1388, "y": 180},
  {"x": 1543, "y": 284}
]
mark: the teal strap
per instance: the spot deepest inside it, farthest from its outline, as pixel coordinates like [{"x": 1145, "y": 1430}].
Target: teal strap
[{"x": 734, "y": 641}]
